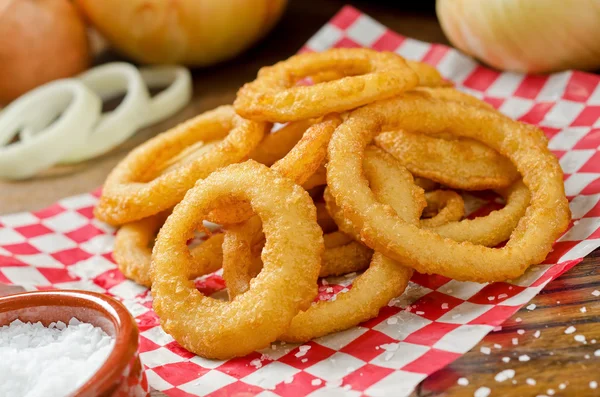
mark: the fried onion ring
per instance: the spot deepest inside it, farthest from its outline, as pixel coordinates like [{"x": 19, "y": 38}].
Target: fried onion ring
[
  {"x": 443, "y": 206},
  {"x": 132, "y": 192},
  {"x": 302, "y": 161},
  {"x": 385, "y": 276},
  {"x": 294, "y": 244},
  {"x": 457, "y": 163},
  {"x": 370, "y": 75},
  {"x": 132, "y": 250},
  {"x": 545, "y": 219},
  {"x": 494, "y": 228}
]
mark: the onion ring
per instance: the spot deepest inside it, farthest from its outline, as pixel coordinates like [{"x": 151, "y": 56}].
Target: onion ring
[
  {"x": 371, "y": 75},
  {"x": 458, "y": 163},
  {"x": 132, "y": 250},
  {"x": 277, "y": 144},
  {"x": 305, "y": 158},
  {"x": 177, "y": 94},
  {"x": 79, "y": 109},
  {"x": 546, "y": 218},
  {"x": 446, "y": 205},
  {"x": 384, "y": 275},
  {"x": 494, "y": 228},
  {"x": 428, "y": 75},
  {"x": 294, "y": 244},
  {"x": 126, "y": 196}
]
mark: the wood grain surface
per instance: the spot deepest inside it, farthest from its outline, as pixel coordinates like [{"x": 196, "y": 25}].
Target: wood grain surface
[{"x": 555, "y": 357}]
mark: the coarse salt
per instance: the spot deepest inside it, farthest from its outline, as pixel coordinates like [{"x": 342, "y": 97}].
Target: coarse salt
[
  {"x": 515, "y": 341},
  {"x": 524, "y": 357},
  {"x": 482, "y": 392},
  {"x": 302, "y": 350},
  {"x": 506, "y": 359},
  {"x": 485, "y": 350},
  {"x": 579, "y": 338},
  {"x": 550, "y": 392},
  {"x": 316, "y": 382},
  {"x": 50, "y": 361},
  {"x": 463, "y": 381},
  {"x": 530, "y": 382},
  {"x": 520, "y": 331},
  {"x": 518, "y": 319},
  {"x": 505, "y": 375},
  {"x": 597, "y": 353},
  {"x": 570, "y": 330},
  {"x": 537, "y": 333},
  {"x": 531, "y": 307},
  {"x": 596, "y": 293},
  {"x": 497, "y": 346},
  {"x": 444, "y": 306},
  {"x": 593, "y": 384},
  {"x": 583, "y": 309}
]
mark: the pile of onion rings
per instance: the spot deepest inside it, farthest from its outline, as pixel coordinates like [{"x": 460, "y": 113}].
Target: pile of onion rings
[{"x": 368, "y": 175}]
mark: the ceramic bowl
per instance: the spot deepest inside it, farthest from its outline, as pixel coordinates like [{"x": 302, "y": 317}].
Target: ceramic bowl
[{"x": 122, "y": 374}]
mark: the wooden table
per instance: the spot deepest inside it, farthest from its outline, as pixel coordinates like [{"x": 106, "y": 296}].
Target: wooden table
[{"x": 555, "y": 356}]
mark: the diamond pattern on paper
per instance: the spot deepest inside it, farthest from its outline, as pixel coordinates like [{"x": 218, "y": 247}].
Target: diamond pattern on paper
[{"x": 434, "y": 322}]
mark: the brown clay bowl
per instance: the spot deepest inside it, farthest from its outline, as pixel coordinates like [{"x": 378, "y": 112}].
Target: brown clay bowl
[{"x": 122, "y": 374}]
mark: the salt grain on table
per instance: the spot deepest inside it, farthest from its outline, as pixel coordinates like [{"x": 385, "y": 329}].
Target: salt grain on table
[
  {"x": 50, "y": 361},
  {"x": 570, "y": 330},
  {"x": 462, "y": 382},
  {"x": 482, "y": 392}
]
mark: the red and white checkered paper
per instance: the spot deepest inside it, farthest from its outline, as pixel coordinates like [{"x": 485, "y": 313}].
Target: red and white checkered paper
[{"x": 433, "y": 323}]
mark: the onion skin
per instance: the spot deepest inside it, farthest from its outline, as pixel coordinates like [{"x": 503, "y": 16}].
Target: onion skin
[
  {"x": 40, "y": 41},
  {"x": 190, "y": 32},
  {"x": 529, "y": 36}
]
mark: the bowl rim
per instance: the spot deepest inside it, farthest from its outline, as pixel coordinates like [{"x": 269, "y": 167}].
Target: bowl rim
[{"x": 126, "y": 331}]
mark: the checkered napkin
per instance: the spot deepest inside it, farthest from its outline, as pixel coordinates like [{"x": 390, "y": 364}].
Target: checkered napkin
[{"x": 432, "y": 324}]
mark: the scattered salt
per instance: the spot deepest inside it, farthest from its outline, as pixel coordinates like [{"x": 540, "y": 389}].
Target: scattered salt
[
  {"x": 54, "y": 360},
  {"x": 520, "y": 331},
  {"x": 302, "y": 350},
  {"x": 497, "y": 346},
  {"x": 506, "y": 359},
  {"x": 256, "y": 363},
  {"x": 524, "y": 357},
  {"x": 531, "y": 307},
  {"x": 502, "y": 296},
  {"x": 463, "y": 381},
  {"x": 579, "y": 338},
  {"x": 515, "y": 341},
  {"x": 491, "y": 298},
  {"x": 593, "y": 384},
  {"x": 316, "y": 382},
  {"x": 504, "y": 375},
  {"x": 550, "y": 392},
  {"x": 596, "y": 293},
  {"x": 392, "y": 320},
  {"x": 482, "y": 392},
  {"x": 518, "y": 319},
  {"x": 485, "y": 350},
  {"x": 444, "y": 306},
  {"x": 597, "y": 353},
  {"x": 419, "y": 313},
  {"x": 562, "y": 386},
  {"x": 587, "y": 356},
  {"x": 570, "y": 330},
  {"x": 583, "y": 309},
  {"x": 329, "y": 290},
  {"x": 304, "y": 360},
  {"x": 530, "y": 382},
  {"x": 537, "y": 333}
]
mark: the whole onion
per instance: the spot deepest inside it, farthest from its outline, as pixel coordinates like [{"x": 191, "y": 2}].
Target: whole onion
[
  {"x": 531, "y": 36},
  {"x": 190, "y": 32},
  {"x": 40, "y": 41}
]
